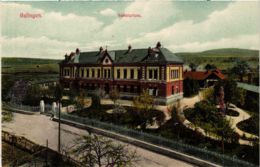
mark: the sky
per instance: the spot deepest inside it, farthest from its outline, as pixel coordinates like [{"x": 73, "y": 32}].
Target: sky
[{"x": 181, "y": 26}]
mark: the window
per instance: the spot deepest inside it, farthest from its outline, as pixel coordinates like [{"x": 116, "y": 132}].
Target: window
[
  {"x": 155, "y": 74},
  {"x": 139, "y": 74},
  {"x": 118, "y": 73},
  {"x": 98, "y": 73},
  {"x": 93, "y": 73},
  {"x": 108, "y": 73},
  {"x": 172, "y": 90},
  {"x": 105, "y": 73},
  {"x": 82, "y": 72},
  {"x": 155, "y": 92},
  {"x": 125, "y": 73},
  {"x": 132, "y": 73},
  {"x": 150, "y": 74},
  {"x": 174, "y": 74},
  {"x": 87, "y": 73}
]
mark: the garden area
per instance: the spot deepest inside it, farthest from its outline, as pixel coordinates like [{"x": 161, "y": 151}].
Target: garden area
[
  {"x": 205, "y": 115},
  {"x": 135, "y": 117}
]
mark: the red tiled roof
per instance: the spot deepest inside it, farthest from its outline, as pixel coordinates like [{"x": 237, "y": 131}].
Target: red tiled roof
[{"x": 202, "y": 75}]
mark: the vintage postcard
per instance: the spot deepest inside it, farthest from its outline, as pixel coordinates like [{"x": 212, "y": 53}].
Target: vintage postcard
[{"x": 122, "y": 83}]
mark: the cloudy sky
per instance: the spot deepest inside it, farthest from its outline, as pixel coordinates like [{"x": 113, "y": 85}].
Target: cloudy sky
[{"x": 182, "y": 26}]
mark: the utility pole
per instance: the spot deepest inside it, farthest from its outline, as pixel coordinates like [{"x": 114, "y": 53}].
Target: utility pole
[
  {"x": 46, "y": 149},
  {"x": 59, "y": 129}
]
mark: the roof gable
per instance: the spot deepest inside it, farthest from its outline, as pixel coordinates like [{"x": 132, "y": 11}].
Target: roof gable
[
  {"x": 158, "y": 55},
  {"x": 202, "y": 75}
]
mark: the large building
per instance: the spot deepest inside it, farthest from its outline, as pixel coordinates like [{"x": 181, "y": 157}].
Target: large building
[{"x": 130, "y": 71}]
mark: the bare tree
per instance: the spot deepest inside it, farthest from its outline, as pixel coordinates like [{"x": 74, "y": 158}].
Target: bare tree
[
  {"x": 114, "y": 95},
  {"x": 99, "y": 151}
]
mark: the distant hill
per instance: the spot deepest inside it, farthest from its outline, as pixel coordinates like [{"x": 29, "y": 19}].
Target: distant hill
[
  {"x": 222, "y": 58},
  {"x": 13, "y": 61},
  {"x": 227, "y": 52}
]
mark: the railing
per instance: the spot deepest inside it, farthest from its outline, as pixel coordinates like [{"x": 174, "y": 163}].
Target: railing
[
  {"x": 160, "y": 141},
  {"x": 47, "y": 107},
  {"x": 24, "y": 107}
]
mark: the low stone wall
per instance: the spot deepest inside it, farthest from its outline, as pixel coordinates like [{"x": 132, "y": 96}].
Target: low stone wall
[
  {"x": 36, "y": 150},
  {"x": 142, "y": 144}
]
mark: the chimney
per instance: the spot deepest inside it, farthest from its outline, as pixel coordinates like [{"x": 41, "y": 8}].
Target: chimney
[
  {"x": 129, "y": 49},
  {"x": 150, "y": 50},
  {"x": 66, "y": 56},
  {"x": 100, "y": 49},
  {"x": 158, "y": 45},
  {"x": 77, "y": 51}
]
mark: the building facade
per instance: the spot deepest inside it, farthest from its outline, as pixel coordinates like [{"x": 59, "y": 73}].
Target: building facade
[{"x": 130, "y": 71}]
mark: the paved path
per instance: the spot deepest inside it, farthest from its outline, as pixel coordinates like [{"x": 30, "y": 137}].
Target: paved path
[
  {"x": 235, "y": 120},
  {"x": 39, "y": 128}
]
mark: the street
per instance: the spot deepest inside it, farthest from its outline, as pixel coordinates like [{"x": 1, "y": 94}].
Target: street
[{"x": 39, "y": 128}]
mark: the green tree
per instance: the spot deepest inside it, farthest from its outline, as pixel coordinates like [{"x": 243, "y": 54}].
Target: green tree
[
  {"x": 73, "y": 92},
  {"x": 96, "y": 101},
  {"x": 144, "y": 105},
  {"x": 58, "y": 92},
  {"x": 144, "y": 102},
  {"x": 208, "y": 93},
  {"x": 226, "y": 133},
  {"x": 193, "y": 66},
  {"x": 33, "y": 96},
  {"x": 240, "y": 95},
  {"x": 99, "y": 151},
  {"x": 230, "y": 90},
  {"x": 7, "y": 84},
  {"x": 210, "y": 67},
  {"x": 81, "y": 99},
  {"x": 241, "y": 69}
]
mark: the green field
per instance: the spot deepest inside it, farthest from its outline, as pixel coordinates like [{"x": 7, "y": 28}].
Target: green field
[{"x": 28, "y": 65}]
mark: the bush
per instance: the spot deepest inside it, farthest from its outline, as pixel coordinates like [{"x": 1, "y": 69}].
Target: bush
[
  {"x": 96, "y": 101},
  {"x": 250, "y": 125},
  {"x": 232, "y": 113}
]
